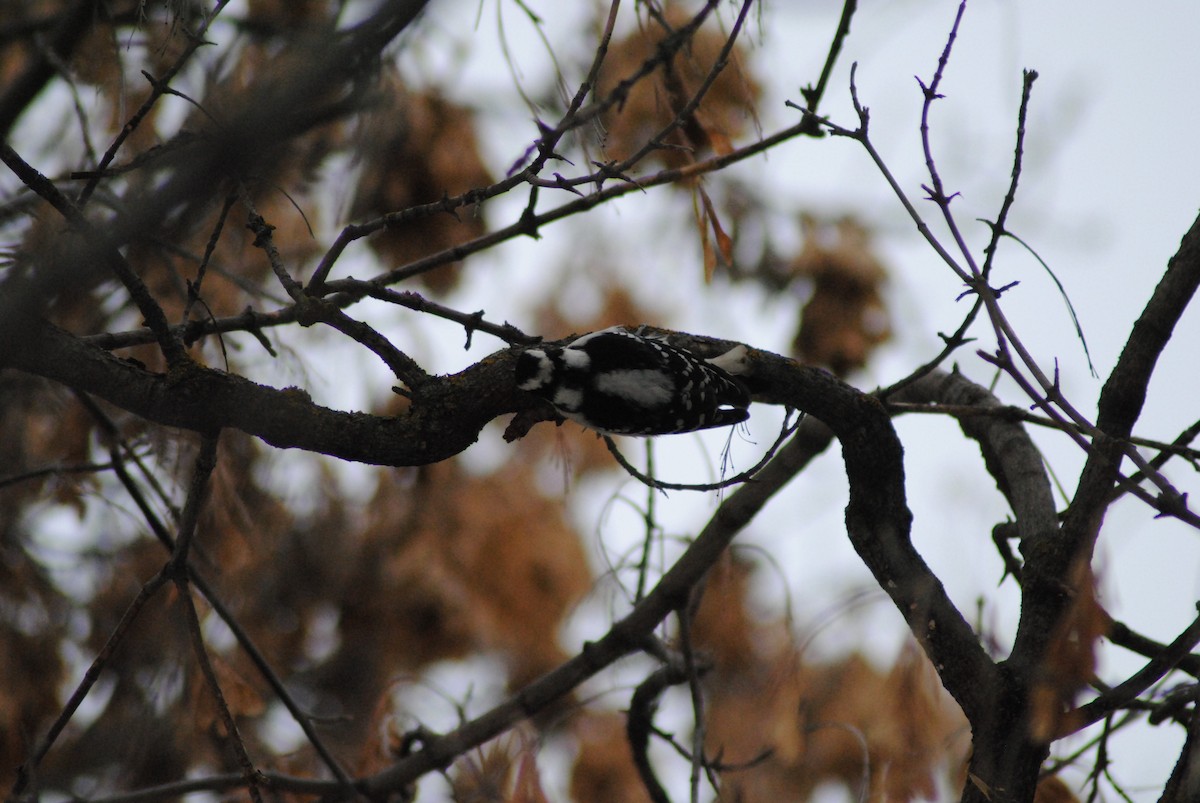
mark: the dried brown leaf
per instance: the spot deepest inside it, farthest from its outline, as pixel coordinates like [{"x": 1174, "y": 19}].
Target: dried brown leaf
[
  {"x": 604, "y": 769},
  {"x": 1054, "y": 790},
  {"x": 527, "y": 788},
  {"x": 816, "y": 723},
  {"x": 720, "y": 254},
  {"x": 846, "y": 317},
  {"x": 484, "y": 774},
  {"x": 1070, "y": 662},
  {"x": 418, "y": 148},
  {"x": 656, "y": 100},
  {"x": 242, "y": 696}
]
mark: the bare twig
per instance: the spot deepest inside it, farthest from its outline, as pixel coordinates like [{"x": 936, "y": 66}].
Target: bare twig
[
  {"x": 650, "y": 519},
  {"x": 785, "y": 431},
  {"x": 176, "y": 570},
  {"x": 1137, "y": 683},
  {"x": 471, "y": 321},
  {"x": 54, "y": 471},
  {"x": 936, "y": 189},
  {"x": 813, "y": 94},
  {"x": 194, "y": 286},
  {"x": 206, "y": 462},
  {"x": 250, "y": 776},
  {"x": 699, "y": 719},
  {"x": 28, "y": 769}
]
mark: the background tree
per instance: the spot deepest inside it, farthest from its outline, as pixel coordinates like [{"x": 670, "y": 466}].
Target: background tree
[{"x": 234, "y": 228}]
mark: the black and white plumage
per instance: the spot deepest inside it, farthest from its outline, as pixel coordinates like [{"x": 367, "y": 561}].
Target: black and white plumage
[{"x": 620, "y": 382}]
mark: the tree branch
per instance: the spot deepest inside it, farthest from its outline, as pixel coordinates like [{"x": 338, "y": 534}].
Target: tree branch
[
  {"x": 446, "y": 417},
  {"x": 1008, "y": 452}
]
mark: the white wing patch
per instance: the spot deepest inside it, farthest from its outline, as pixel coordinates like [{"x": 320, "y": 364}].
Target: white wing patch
[
  {"x": 568, "y": 399},
  {"x": 646, "y": 387},
  {"x": 576, "y": 358}
]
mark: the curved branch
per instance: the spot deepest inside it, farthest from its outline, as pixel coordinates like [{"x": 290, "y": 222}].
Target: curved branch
[
  {"x": 879, "y": 523},
  {"x": 1008, "y": 452}
]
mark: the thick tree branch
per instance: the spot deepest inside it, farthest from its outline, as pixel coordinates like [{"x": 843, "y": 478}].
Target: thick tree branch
[
  {"x": 446, "y": 416},
  {"x": 1008, "y": 452},
  {"x": 879, "y": 523}
]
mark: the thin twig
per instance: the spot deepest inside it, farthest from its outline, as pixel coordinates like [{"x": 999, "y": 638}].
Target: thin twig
[
  {"x": 1122, "y": 694},
  {"x": 194, "y": 286},
  {"x": 27, "y": 770},
  {"x": 206, "y": 462},
  {"x": 699, "y": 718},
  {"x": 250, "y": 775},
  {"x": 813, "y": 95},
  {"x": 937, "y": 190},
  {"x": 650, "y": 520},
  {"x": 176, "y": 569},
  {"x": 1015, "y": 413},
  {"x": 952, "y": 342},
  {"x": 786, "y": 429},
  {"x": 54, "y": 471},
  {"x": 1010, "y": 197},
  {"x": 471, "y": 321}
]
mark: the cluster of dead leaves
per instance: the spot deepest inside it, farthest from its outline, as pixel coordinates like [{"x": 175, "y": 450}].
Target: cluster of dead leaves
[
  {"x": 783, "y": 724},
  {"x": 667, "y": 98},
  {"x": 418, "y": 148},
  {"x": 651, "y": 105},
  {"x": 845, "y": 317}
]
